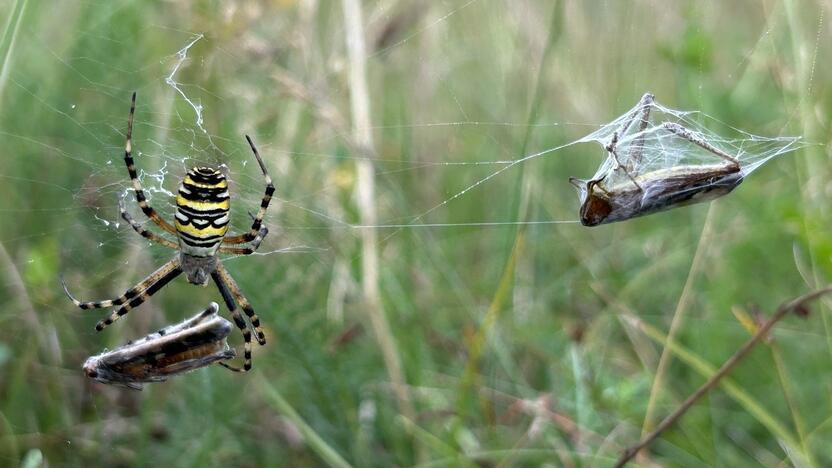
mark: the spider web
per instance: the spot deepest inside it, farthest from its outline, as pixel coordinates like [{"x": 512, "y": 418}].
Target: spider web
[
  {"x": 654, "y": 148},
  {"x": 167, "y": 143},
  {"x": 181, "y": 123},
  {"x": 658, "y": 149},
  {"x": 175, "y": 129}
]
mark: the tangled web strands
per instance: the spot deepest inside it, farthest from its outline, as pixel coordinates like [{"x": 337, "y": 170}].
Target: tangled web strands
[{"x": 645, "y": 145}]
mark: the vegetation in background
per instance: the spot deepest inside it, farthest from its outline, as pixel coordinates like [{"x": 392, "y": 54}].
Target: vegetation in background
[{"x": 516, "y": 339}]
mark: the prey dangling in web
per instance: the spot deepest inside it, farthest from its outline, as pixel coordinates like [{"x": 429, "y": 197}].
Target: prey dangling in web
[{"x": 659, "y": 158}]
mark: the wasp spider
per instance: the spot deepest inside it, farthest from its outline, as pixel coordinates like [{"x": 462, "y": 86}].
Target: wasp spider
[{"x": 200, "y": 226}]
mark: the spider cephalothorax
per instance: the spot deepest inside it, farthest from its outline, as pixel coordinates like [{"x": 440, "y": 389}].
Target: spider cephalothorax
[{"x": 200, "y": 226}]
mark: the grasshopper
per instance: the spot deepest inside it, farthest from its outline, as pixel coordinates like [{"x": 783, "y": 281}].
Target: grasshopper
[
  {"x": 194, "y": 343},
  {"x": 647, "y": 192}
]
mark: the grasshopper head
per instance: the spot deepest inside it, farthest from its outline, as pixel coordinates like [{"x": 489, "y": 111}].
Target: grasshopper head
[{"x": 595, "y": 206}]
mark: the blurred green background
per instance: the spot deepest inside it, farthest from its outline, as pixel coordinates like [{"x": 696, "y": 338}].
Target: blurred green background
[{"x": 519, "y": 344}]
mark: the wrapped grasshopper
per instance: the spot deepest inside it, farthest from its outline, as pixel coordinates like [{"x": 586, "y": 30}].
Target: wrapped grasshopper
[
  {"x": 192, "y": 344},
  {"x": 656, "y": 167}
]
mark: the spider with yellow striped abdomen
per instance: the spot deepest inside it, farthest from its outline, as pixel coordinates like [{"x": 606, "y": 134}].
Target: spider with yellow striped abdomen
[{"x": 200, "y": 226}]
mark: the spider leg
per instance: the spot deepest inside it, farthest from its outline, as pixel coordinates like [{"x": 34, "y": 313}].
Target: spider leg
[
  {"x": 683, "y": 132},
  {"x": 137, "y": 185},
  {"x": 264, "y": 204},
  {"x": 255, "y": 244},
  {"x": 158, "y": 280},
  {"x": 130, "y": 293},
  {"x": 228, "y": 297},
  {"x": 141, "y": 230},
  {"x": 241, "y": 299}
]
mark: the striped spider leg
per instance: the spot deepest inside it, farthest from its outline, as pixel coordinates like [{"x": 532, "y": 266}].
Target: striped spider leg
[
  {"x": 134, "y": 296},
  {"x": 255, "y": 232},
  {"x": 200, "y": 226}
]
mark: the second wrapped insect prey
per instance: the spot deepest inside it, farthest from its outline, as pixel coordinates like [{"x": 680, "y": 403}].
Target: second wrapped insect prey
[{"x": 187, "y": 346}]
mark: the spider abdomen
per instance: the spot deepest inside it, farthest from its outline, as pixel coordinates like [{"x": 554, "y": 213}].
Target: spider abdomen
[{"x": 202, "y": 206}]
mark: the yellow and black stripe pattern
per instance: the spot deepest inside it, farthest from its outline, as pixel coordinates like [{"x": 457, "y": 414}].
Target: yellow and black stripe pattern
[{"x": 202, "y": 206}]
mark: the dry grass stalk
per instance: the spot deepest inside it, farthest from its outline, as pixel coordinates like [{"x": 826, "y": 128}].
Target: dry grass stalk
[
  {"x": 678, "y": 318},
  {"x": 798, "y": 305},
  {"x": 363, "y": 138}
]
